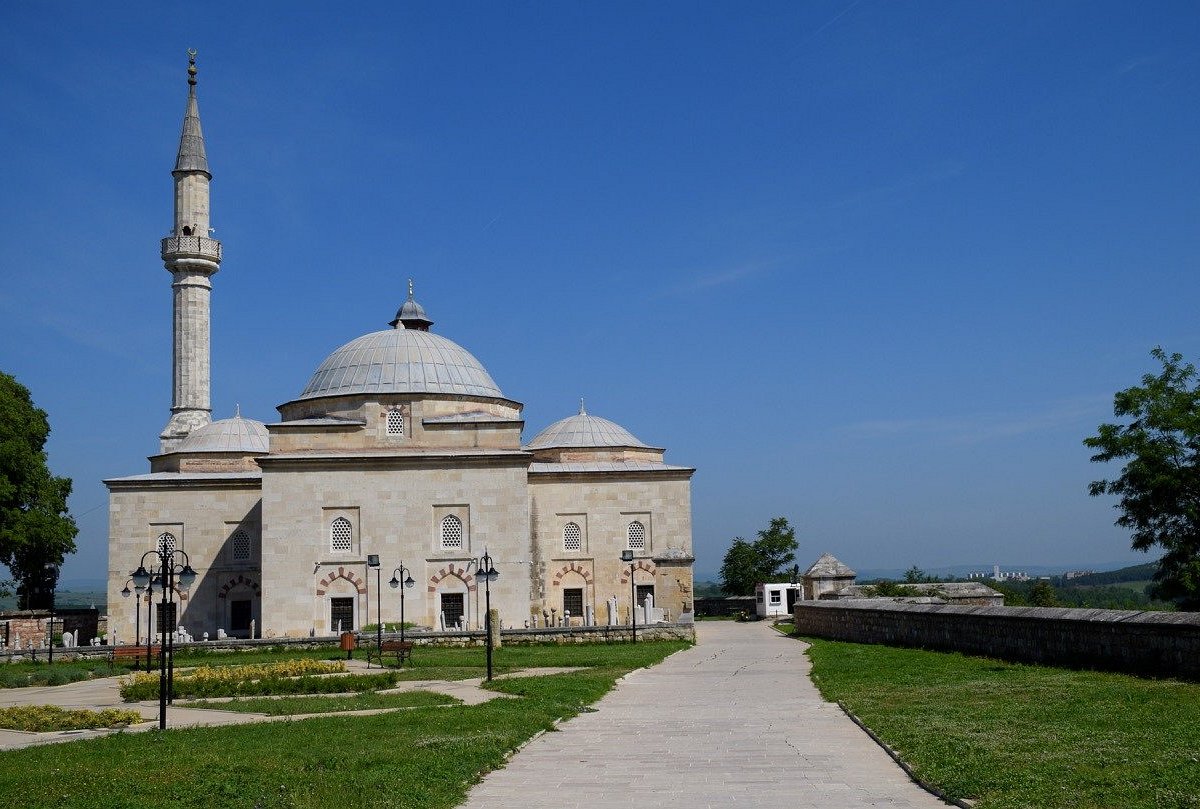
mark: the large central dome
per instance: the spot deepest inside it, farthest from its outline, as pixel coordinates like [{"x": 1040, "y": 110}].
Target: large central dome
[{"x": 401, "y": 360}]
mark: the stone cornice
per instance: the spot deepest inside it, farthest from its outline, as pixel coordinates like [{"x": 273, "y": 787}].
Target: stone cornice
[
  {"x": 184, "y": 480},
  {"x": 608, "y": 475},
  {"x": 394, "y": 460}
]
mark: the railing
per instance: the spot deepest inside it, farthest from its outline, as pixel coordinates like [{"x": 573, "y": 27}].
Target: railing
[{"x": 191, "y": 245}]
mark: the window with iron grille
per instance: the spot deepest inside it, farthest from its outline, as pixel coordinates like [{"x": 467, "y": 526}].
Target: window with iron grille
[
  {"x": 637, "y": 536},
  {"x": 395, "y": 422},
  {"x": 573, "y": 601},
  {"x": 241, "y": 545},
  {"x": 166, "y": 542},
  {"x": 452, "y": 533},
  {"x": 572, "y": 537},
  {"x": 341, "y": 536},
  {"x": 644, "y": 590}
]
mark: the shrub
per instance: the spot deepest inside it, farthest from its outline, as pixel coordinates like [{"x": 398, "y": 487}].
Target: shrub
[
  {"x": 145, "y": 686},
  {"x": 45, "y": 718}
]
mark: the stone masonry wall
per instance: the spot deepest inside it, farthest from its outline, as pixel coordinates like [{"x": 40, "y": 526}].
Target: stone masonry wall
[{"x": 1159, "y": 643}]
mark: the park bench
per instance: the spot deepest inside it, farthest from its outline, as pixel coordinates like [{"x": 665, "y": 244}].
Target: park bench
[
  {"x": 400, "y": 649},
  {"x": 132, "y": 655}
]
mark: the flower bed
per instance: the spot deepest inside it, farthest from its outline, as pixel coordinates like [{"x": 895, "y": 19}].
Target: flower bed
[
  {"x": 284, "y": 677},
  {"x": 46, "y": 718}
]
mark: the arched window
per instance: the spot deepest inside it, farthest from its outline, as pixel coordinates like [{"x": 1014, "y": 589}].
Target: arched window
[
  {"x": 637, "y": 536},
  {"x": 452, "y": 533},
  {"x": 166, "y": 542},
  {"x": 395, "y": 423},
  {"x": 241, "y": 546},
  {"x": 572, "y": 537},
  {"x": 341, "y": 536}
]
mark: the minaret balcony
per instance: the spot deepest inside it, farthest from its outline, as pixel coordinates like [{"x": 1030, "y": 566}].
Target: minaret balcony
[{"x": 174, "y": 247}]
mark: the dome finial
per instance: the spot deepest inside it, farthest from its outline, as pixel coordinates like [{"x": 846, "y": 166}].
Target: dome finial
[
  {"x": 192, "y": 66},
  {"x": 237, "y": 410},
  {"x": 582, "y": 411},
  {"x": 410, "y": 290}
]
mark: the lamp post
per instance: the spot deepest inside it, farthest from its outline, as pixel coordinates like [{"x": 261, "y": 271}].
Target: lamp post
[
  {"x": 168, "y": 570},
  {"x": 137, "y": 621},
  {"x": 627, "y": 556},
  {"x": 486, "y": 570},
  {"x": 395, "y": 583},
  {"x": 373, "y": 561},
  {"x": 52, "y": 574}
]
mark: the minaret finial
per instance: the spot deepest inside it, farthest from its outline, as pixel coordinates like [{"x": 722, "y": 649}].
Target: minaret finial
[
  {"x": 192, "y": 66},
  {"x": 582, "y": 409}
]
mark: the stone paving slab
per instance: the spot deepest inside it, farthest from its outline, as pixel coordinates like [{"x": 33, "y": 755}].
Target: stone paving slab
[{"x": 732, "y": 722}]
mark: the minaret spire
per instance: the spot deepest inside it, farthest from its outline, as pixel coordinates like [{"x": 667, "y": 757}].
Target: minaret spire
[
  {"x": 192, "y": 257},
  {"x": 191, "y": 140}
]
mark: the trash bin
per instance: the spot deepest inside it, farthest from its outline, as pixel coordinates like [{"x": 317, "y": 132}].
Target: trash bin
[{"x": 348, "y": 644}]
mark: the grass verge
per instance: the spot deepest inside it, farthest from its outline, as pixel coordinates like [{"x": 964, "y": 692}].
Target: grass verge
[
  {"x": 1014, "y": 735},
  {"x": 292, "y": 706},
  {"x": 425, "y": 758},
  {"x": 25, "y": 674}
]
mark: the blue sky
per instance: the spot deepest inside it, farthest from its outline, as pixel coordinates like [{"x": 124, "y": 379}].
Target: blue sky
[{"x": 877, "y": 267}]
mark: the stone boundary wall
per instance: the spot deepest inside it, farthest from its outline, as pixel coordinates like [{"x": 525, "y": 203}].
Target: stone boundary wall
[
  {"x": 508, "y": 637},
  {"x": 1157, "y": 643}
]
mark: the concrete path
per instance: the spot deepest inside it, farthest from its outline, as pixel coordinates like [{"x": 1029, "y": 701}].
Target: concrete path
[{"x": 732, "y": 722}]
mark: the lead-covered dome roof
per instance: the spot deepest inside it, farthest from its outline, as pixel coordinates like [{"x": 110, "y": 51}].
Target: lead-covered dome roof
[
  {"x": 584, "y": 430},
  {"x": 401, "y": 360},
  {"x": 236, "y": 434}
]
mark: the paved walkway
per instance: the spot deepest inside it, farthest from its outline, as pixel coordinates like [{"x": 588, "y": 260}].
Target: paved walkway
[{"x": 732, "y": 722}]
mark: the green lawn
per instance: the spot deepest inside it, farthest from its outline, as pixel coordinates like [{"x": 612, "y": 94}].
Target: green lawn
[
  {"x": 291, "y": 706},
  {"x": 423, "y": 758},
  {"x": 1023, "y": 736}
]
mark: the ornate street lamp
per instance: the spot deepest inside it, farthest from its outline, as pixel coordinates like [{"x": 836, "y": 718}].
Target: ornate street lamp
[
  {"x": 627, "y": 556},
  {"x": 486, "y": 570},
  {"x": 167, "y": 571},
  {"x": 395, "y": 583},
  {"x": 137, "y": 622},
  {"x": 52, "y": 574},
  {"x": 373, "y": 561}
]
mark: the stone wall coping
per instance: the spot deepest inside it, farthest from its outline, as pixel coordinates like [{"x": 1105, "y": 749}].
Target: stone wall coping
[{"x": 1151, "y": 617}]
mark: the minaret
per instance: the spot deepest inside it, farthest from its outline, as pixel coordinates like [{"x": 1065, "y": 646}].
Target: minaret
[{"x": 192, "y": 257}]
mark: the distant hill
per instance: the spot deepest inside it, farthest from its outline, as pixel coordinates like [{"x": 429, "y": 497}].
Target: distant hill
[{"x": 1133, "y": 573}]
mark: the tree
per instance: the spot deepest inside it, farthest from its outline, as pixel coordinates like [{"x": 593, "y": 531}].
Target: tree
[
  {"x": 1042, "y": 594},
  {"x": 765, "y": 559},
  {"x": 36, "y": 532},
  {"x": 1159, "y": 486}
]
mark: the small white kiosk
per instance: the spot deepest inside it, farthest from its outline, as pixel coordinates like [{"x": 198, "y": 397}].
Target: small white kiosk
[{"x": 776, "y": 599}]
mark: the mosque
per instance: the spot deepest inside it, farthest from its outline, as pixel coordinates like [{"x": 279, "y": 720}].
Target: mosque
[{"x": 401, "y": 450}]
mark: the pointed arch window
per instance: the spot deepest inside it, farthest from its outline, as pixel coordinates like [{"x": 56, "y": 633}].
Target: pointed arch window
[
  {"x": 572, "y": 537},
  {"x": 636, "y": 536},
  {"x": 452, "y": 533},
  {"x": 341, "y": 536}
]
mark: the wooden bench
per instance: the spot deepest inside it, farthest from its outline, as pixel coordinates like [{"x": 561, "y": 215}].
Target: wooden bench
[
  {"x": 400, "y": 649},
  {"x": 132, "y": 655}
]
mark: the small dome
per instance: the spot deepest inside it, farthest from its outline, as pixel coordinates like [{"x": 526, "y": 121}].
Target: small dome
[
  {"x": 237, "y": 434},
  {"x": 584, "y": 430},
  {"x": 401, "y": 360}
]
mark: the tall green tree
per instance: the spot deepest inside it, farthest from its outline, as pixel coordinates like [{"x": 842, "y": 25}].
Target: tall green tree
[
  {"x": 765, "y": 559},
  {"x": 36, "y": 531},
  {"x": 1158, "y": 488}
]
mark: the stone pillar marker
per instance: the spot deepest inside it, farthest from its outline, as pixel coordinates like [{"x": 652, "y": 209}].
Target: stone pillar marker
[{"x": 493, "y": 638}]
